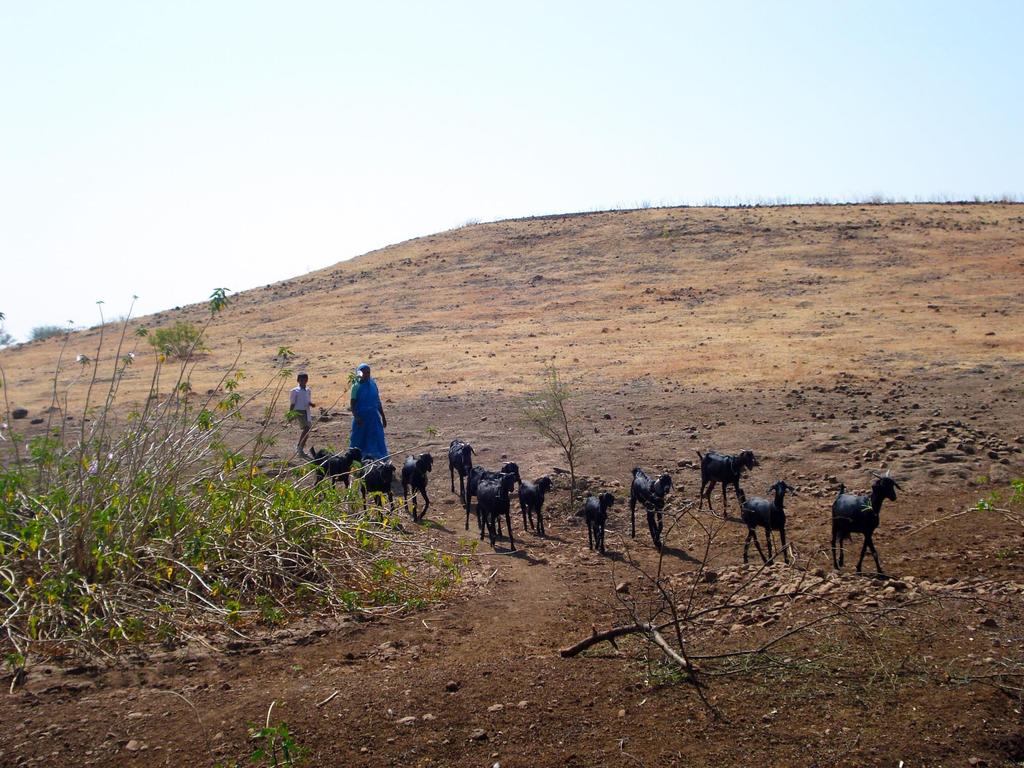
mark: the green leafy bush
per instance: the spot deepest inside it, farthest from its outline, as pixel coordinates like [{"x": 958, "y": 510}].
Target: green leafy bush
[
  {"x": 172, "y": 523},
  {"x": 179, "y": 341}
]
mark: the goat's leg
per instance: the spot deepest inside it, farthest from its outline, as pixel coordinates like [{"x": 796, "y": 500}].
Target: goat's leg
[
  {"x": 600, "y": 539},
  {"x": 768, "y": 538},
  {"x": 508, "y": 522},
  {"x": 490, "y": 528},
  {"x": 874, "y": 552},
  {"x": 746, "y": 546},
  {"x": 540, "y": 522},
  {"x": 632, "y": 515},
  {"x": 752, "y": 537},
  {"x": 590, "y": 535},
  {"x": 785, "y": 548},
  {"x": 724, "y": 513},
  {"x": 863, "y": 549},
  {"x": 451, "y": 476},
  {"x": 426, "y": 502},
  {"x": 703, "y": 483},
  {"x": 711, "y": 488},
  {"x": 653, "y": 526}
]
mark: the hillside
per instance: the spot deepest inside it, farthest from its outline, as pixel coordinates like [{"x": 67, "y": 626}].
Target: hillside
[
  {"x": 699, "y": 297},
  {"x": 832, "y": 340}
]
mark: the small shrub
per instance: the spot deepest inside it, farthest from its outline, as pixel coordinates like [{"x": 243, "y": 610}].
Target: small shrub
[
  {"x": 41, "y": 332},
  {"x": 5, "y": 338},
  {"x": 179, "y": 341},
  {"x": 275, "y": 746}
]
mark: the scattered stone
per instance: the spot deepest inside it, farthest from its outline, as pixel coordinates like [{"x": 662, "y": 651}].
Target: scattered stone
[
  {"x": 134, "y": 745},
  {"x": 710, "y": 576},
  {"x": 478, "y": 735},
  {"x": 452, "y": 686},
  {"x": 19, "y": 413},
  {"x": 990, "y": 623},
  {"x": 409, "y": 720},
  {"x": 622, "y": 587},
  {"x": 495, "y": 707},
  {"x": 622, "y": 713},
  {"x": 523, "y": 704},
  {"x": 428, "y": 717}
]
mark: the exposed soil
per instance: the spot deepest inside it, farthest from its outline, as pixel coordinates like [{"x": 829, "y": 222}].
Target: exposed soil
[{"x": 833, "y": 341}]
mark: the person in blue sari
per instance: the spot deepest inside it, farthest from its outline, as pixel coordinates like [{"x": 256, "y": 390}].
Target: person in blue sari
[{"x": 368, "y": 419}]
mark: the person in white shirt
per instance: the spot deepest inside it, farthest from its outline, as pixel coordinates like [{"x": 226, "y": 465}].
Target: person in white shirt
[{"x": 300, "y": 403}]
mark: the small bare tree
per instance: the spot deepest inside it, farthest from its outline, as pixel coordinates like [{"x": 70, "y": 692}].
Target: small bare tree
[{"x": 547, "y": 412}]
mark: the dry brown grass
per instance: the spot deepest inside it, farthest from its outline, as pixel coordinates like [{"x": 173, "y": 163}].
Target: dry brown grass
[{"x": 696, "y": 296}]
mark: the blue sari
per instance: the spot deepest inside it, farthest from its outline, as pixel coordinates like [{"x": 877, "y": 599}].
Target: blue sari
[{"x": 368, "y": 437}]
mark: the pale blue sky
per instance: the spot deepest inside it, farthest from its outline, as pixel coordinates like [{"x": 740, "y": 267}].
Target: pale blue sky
[{"x": 167, "y": 148}]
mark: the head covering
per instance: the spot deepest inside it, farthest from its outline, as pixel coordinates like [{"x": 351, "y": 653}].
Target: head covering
[{"x": 363, "y": 367}]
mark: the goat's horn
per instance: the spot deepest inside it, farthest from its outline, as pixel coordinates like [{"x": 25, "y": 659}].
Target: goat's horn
[
  {"x": 875, "y": 474},
  {"x": 887, "y": 472}
]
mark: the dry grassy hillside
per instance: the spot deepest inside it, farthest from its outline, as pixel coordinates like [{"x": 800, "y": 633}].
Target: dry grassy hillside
[{"x": 695, "y": 296}]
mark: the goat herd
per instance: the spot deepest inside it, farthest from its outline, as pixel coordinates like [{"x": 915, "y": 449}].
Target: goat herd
[{"x": 851, "y": 513}]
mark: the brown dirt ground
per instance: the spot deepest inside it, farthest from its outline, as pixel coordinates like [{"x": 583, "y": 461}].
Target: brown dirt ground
[{"x": 832, "y": 340}]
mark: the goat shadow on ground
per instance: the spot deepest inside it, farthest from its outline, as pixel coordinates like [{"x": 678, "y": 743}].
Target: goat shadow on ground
[
  {"x": 434, "y": 525},
  {"x": 612, "y": 555},
  {"x": 549, "y": 537},
  {"x": 679, "y": 553},
  {"x": 522, "y": 554}
]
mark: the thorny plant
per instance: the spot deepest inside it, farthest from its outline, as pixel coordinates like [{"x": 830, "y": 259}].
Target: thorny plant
[{"x": 167, "y": 522}]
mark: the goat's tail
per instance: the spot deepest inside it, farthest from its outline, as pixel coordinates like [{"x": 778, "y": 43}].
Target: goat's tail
[
  {"x": 699, "y": 455},
  {"x": 842, "y": 490}
]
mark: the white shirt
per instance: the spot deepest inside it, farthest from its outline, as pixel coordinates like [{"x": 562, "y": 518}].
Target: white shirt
[{"x": 301, "y": 398}]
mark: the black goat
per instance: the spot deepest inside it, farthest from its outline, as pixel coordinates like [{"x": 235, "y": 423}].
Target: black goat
[
  {"x": 334, "y": 466},
  {"x": 460, "y": 459},
  {"x": 477, "y": 474},
  {"x": 531, "y": 499},
  {"x": 725, "y": 469},
  {"x": 414, "y": 475},
  {"x": 595, "y": 512},
  {"x": 650, "y": 493},
  {"x": 768, "y": 514},
  {"x": 377, "y": 478},
  {"x": 493, "y": 499},
  {"x": 852, "y": 513}
]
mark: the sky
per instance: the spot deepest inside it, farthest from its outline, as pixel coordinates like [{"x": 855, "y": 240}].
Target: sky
[{"x": 164, "y": 149}]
